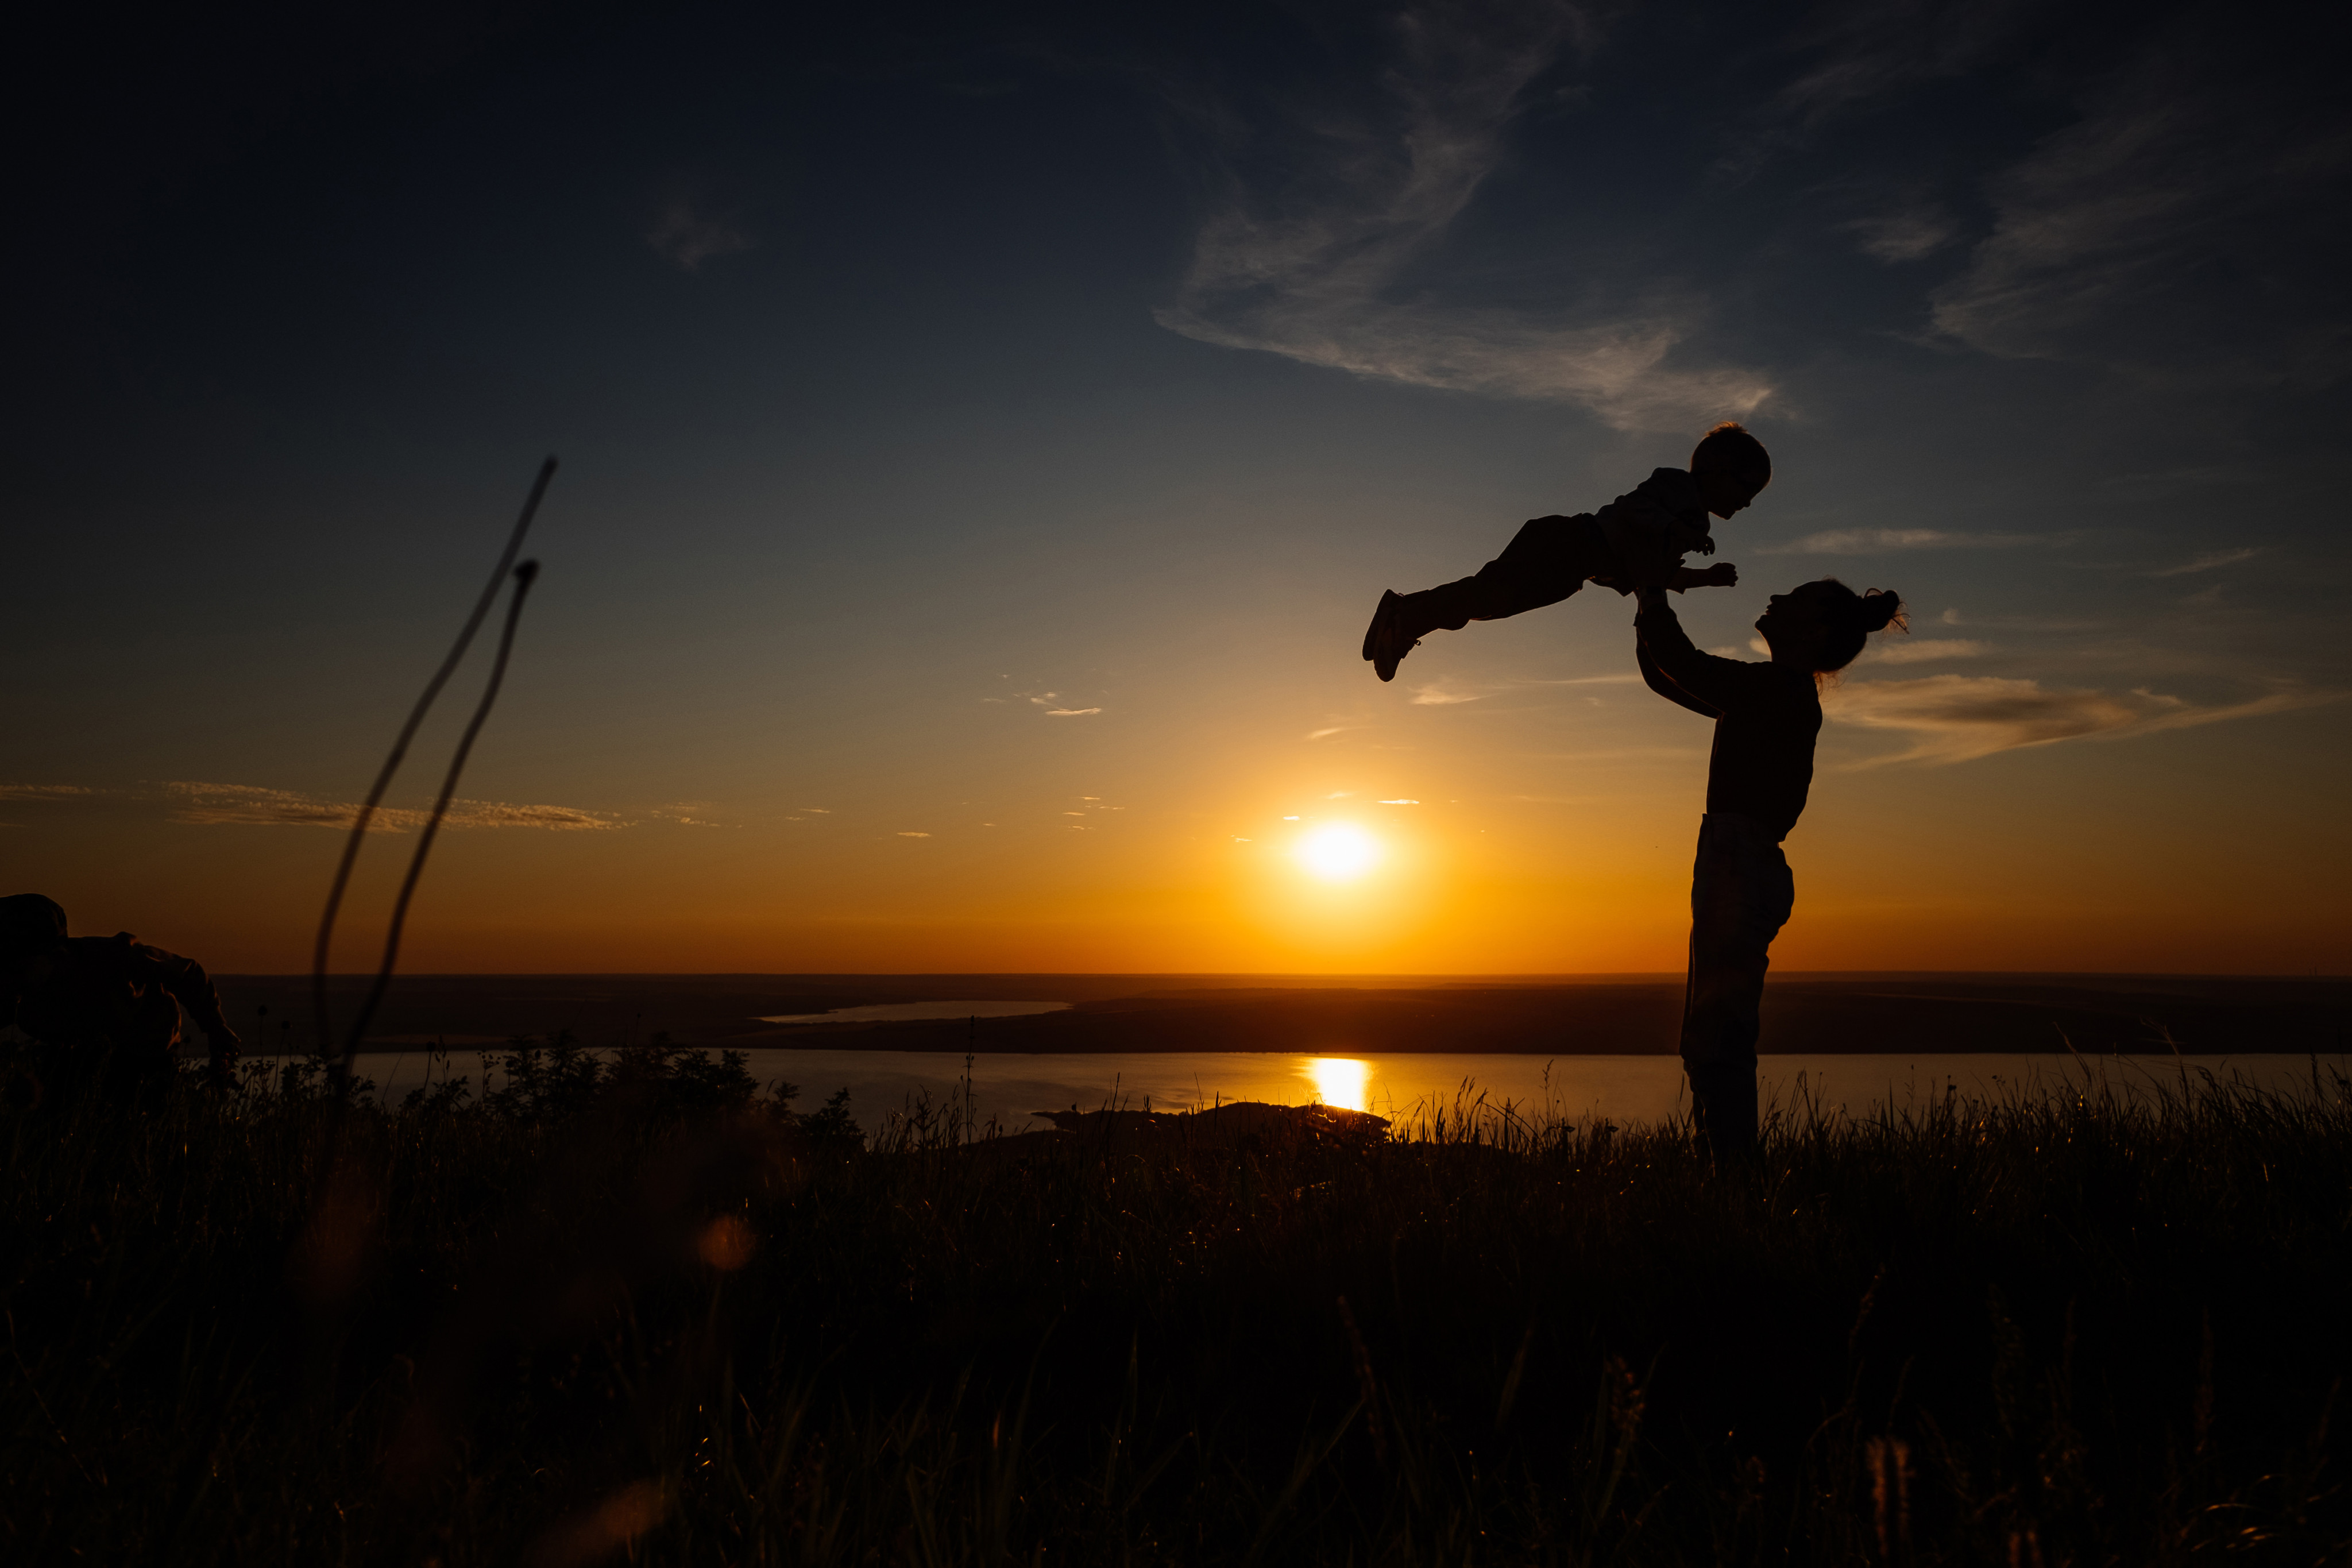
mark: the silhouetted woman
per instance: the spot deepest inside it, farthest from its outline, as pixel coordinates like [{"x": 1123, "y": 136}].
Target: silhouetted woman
[{"x": 1766, "y": 717}]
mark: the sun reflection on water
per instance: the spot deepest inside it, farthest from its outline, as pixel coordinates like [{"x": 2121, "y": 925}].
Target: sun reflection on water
[{"x": 1339, "y": 1081}]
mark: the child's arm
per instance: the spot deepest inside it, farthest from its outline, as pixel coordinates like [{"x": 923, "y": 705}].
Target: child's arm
[{"x": 1722, "y": 574}]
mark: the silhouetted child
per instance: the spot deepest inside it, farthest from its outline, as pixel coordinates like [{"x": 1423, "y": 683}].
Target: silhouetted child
[{"x": 1637, "y": 540}]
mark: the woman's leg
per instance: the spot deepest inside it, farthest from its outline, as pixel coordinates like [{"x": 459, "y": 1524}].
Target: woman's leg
[{"x": 1742, "y": 894}]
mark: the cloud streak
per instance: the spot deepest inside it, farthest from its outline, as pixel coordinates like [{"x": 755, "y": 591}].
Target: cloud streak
[
  {"x": 2207, "y": 562},
  {"x": 688, "y": 813},
  {"x": 252, "y": 805},
  {"x": 1924, "y": 650},
  {"x": 1315, "y": 262},
  {"x": 1883, "y": 541},
  {"x": 1911, "y": 235},
  {"x": 1958, "y": 718}
]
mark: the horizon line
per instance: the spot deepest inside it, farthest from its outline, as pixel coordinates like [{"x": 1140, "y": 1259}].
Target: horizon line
[{"x": 1544, "y": 976}]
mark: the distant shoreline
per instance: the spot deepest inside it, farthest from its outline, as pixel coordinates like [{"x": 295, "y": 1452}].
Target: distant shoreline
[{"x": 1816, "y": 1012}]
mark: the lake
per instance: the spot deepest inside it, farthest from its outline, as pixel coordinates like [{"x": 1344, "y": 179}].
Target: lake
[{"x": 1405, "y": 1087}]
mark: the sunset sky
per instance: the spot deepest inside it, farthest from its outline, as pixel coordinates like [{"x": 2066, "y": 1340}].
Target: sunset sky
[{"x": 983, "y": 442}]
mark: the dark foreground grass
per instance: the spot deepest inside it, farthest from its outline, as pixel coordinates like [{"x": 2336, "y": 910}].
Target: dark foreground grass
[{"x": 659, "y": 1319}]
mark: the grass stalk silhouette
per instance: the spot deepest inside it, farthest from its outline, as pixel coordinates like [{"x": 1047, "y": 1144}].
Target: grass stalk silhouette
[
  {"x": 524, "y": 575},
  {"x": 324, "y": 942}
]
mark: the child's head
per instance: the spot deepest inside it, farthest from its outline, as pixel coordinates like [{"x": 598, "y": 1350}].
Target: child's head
[
  {"x": 1822, "y": 625},
  {"x": 1731, "y": 466}
]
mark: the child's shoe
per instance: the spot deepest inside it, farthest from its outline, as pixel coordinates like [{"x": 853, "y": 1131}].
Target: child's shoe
[{"x": 1387, "y": 641}]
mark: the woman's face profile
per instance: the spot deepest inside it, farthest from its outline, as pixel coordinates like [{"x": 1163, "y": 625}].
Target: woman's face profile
[{"x": 1793, "y": 621}]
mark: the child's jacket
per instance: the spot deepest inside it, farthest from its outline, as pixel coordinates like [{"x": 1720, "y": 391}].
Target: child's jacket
[{"x": 1649, "y": 530}]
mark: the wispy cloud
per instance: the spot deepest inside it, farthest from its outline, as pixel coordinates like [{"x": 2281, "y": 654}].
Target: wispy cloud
[
  {"x": 688, "y": 814},
  {"x": 1924, "y": 650},
  {"x": 914, "y": 835},
  {"x": 1396, "y": 803},
  {"x": 1441, "y": 694},
  {"x": 253, "y": 805},
  {"x": 43, "y": 792},
  {"x": 1957, "y": 718},
  {"x": 1865, "y": 54},
  {"x": 2021, "y": 623},
  {"x": 1328, "y": 732},
  {"x": 2166, "y": 229},
  {"x": 1911, "y": 235},
  {"x": 687, "y": 236},
  {"x": 1883, "y": 541},
  {"x": 1046, "y": 700},
  {"x": 1315, "y": 262},
  {"x": 556, "y": 818},
  {"x": 2207, "y": 562}
]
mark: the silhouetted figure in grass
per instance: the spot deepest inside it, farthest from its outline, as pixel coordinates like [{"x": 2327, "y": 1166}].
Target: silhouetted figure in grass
[
  {"x": 1766, "y": 717},
  {"x": 1637, "y": 540},
  {"x": 113, "y": 998}
]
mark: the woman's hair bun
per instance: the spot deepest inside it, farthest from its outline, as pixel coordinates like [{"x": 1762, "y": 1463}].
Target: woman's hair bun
[
  {"x": 1880, "y": 608},
  {"x": 1850, "y": 618}
]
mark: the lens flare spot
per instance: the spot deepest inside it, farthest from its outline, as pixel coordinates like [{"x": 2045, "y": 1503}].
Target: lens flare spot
[
  {"x": 1339, "y": 853},
  {"x": 726, "y": 1244}
]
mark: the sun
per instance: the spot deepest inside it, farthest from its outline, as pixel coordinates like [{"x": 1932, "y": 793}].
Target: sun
[{"x": 1339, "y": 853}]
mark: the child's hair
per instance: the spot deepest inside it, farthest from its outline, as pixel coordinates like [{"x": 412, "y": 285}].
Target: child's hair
[
  {"x": 1850, "y": 617},
  {"x": 1730, "y": 446}
]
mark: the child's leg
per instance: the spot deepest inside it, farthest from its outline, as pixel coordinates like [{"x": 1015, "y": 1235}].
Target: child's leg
[
  {"x": 1547, "y": 560},
  {"x": 1740, "y": 897}
]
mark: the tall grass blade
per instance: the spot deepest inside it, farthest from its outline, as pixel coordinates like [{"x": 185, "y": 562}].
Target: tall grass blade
[
  {"x": 524, "y": 575},
  {"x": 318, "y": 952}
]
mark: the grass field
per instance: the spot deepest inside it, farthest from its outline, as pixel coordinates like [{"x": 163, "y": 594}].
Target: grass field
[{"x": 650, "y": 1315}]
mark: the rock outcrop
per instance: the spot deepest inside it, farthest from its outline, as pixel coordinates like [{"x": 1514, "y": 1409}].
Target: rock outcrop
[{"x": 1242, "y": 1124}]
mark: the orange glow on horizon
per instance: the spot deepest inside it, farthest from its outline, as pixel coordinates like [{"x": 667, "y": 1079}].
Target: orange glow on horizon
[{"x": 1288, "y": 863}]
